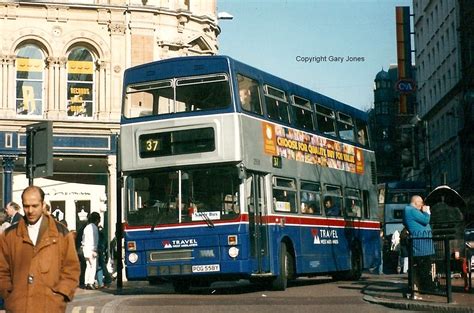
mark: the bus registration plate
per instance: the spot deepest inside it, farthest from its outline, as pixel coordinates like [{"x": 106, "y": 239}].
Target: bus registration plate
[{"x": 206, "y": 268}]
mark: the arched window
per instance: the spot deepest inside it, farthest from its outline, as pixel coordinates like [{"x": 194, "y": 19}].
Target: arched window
[
  {"x": 29, "y": 80},
  {"x": 80, "y": 82}
]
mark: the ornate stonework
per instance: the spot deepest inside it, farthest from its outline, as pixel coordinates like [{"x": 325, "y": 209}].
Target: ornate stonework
[
  {"x": 117, "y": 34},
  {"x": 117, "y": 28}
]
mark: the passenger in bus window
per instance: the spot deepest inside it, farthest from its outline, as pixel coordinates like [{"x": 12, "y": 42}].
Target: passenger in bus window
[
  {"x": 309, "y": 203},
  {"x": 331, "y": 209},
  {"x": 306, "y": 208},
  {"x": 361, "y": 137},
  {"x": 355, "y": 208}
]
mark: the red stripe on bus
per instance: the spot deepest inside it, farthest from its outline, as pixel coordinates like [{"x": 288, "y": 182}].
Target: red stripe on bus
[{"x": 276, "y": 219}]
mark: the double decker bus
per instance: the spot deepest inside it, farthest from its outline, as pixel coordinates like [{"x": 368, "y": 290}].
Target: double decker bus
[
  {"x": 233, "y": 173},
  {"x": 393, "y": 197}
]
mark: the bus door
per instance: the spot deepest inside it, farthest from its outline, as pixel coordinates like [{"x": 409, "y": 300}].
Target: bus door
[{"x": 258, "y": 227}]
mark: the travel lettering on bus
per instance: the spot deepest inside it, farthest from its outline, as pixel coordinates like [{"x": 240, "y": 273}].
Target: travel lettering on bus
[{"x": 325, "y": 236}]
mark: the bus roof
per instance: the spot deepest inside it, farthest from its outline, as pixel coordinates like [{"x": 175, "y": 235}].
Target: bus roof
[
  {"x": 406, "y": 185},
  {"x": 216, "y": 63}
]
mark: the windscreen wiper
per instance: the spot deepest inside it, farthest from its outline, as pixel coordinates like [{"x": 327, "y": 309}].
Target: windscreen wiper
[
  {"x": 155, "y": 222},
  {"x": 206, "y": 218}
]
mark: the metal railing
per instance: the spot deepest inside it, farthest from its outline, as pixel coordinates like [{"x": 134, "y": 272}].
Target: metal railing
[{"x": 429, "y": 261}]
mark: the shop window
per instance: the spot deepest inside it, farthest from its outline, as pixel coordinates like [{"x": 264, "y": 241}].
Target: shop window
[
  {"x": 80, "y": 83},
  {"x": 29, "y": 80}
]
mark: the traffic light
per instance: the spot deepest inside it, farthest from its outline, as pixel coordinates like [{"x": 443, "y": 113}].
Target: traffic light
[{"x": 39, "y": 150}]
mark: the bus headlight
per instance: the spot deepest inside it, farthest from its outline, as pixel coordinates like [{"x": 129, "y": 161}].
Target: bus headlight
[
  {"x": 133, "y": 258},
  {"x": 233, "y": 252}
]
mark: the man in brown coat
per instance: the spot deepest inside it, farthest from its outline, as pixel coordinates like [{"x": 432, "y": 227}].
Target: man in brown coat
[{"x": 39, "y": 268}]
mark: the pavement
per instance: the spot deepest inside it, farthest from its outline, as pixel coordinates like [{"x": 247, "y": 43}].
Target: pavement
[
  {"x": 386, "y": 290},
  {"x": 391, "y": 291}
]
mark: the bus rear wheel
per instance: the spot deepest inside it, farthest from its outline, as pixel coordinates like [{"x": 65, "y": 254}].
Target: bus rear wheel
[
  {"x": 356, "y": 264},
  {"x": 286, "y": 269}
]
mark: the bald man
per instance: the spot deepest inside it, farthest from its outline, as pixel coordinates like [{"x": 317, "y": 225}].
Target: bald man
[
  {"x": 39, "y": 268},
  {"x": 417, "y": 221}
]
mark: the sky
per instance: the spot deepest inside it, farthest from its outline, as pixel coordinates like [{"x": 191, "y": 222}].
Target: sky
[{"x": 287, "y": 38}]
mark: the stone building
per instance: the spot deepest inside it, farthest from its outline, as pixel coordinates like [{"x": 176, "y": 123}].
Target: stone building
[
  {"x": 440, "y": 94},
  {"x": 63, "y": 61}
]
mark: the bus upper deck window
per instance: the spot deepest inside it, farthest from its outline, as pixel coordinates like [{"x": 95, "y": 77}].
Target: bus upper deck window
[
  {"x": 345, "y": 127},
  {"x": 249, "y": 94},
  {"x": 148, "y": 99},
  {"x": 303, "y": 113},
  {"x": 276, "y": 104},
  {"x": 362, "y": 134},
  {"x": 325, "y": 120},
  {"x": 202, "y": 93}
]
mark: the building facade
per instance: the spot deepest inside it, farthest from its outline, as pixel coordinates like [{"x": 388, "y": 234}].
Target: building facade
[
  {"x": 392, "y": 128},
  {"x": 440, "y": 90},
  {"x": 466, "y": 31},
  {"x": 63, "y": 61},
  {"x": 383, "y": 123}
]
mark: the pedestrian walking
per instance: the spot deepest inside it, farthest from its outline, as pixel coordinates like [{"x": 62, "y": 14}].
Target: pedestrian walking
[
  {"x": 89, "y": 247},
  {"x": 13, "y": 212},
  {"x": 104, "y": 279},
  {"x": 39, "y": 269}
]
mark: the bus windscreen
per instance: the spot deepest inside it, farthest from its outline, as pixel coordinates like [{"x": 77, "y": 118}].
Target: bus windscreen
[
  {"x": 203, "y": 194},
  {"x": 188, "y": 94}
]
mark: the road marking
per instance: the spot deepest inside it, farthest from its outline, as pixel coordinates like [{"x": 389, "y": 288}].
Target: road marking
[{"x": 78, "y": 309}]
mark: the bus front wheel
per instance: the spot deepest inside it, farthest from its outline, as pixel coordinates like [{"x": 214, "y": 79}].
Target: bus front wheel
[
  {"x": 286, "y": 269},
  {"x": 181, "y": 286}
]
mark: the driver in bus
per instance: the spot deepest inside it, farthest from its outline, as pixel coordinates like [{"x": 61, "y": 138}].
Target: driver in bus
[
  {"x": 245, "y": 98},
  {"x": 331, "y": 209},
  {"x": 248, "y": 99}
]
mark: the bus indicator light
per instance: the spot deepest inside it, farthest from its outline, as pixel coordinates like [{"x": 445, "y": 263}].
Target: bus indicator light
[
  {"x": 132, "y": 246},
  {"x": 232, "y": 240}
]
